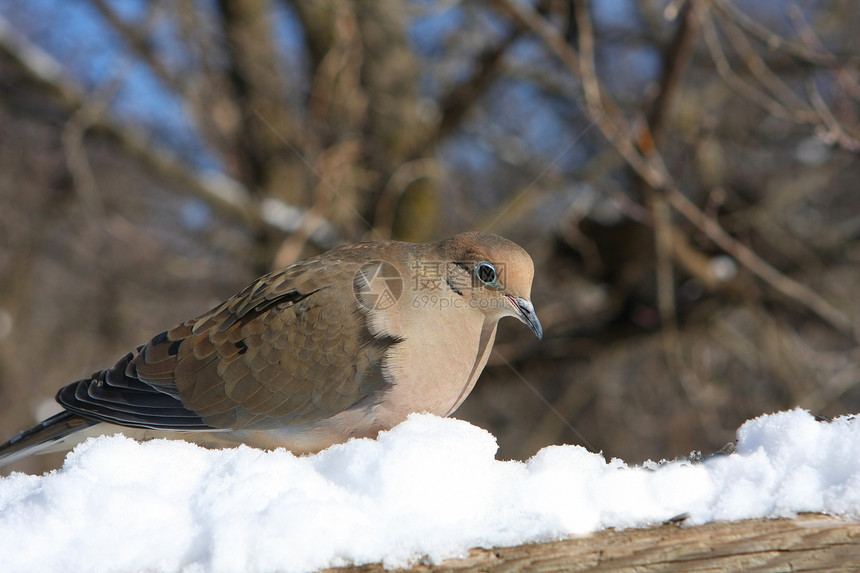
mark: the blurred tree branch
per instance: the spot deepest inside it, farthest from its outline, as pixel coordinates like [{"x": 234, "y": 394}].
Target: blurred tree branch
[
  {"x": 225, "y": 195},
  {"x": 781, "y": 101},
  {"x": 202, "y": 104},
  {"x": 648, "y": 165},
  {"x": 221, "y": 193},
  {"x": 260, "y": 153}
]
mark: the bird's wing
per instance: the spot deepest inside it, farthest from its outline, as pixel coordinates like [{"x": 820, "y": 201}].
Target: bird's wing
[
  {"x": 117, "y": 396},
  {"x": 292, "y": 348}
]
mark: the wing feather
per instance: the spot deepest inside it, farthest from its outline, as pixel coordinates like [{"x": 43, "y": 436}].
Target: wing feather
[{"x": 292, "y": 348}]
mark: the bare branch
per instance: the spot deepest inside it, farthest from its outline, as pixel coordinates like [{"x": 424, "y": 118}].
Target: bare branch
[
  {"x": 654, "y": 173},
  {"x": 186, "y": 85},
  {"x": 139, "y": 43},
  {"x": 832, "y": 131},
  {"x": 224, "y": 194},
  {"x": 785, "y": 103},
  {"x": 762, "y": 72},
  {"x": 456, "y": 103},
  {"x": 602, "y": 111},
  {"x": 744, "y": 255},
  {"x": 677, "y": 59},
  {"x": 773, "y": 41},
  {"x": 258, "y": 150},
  {"x": 740, "y": 85}
]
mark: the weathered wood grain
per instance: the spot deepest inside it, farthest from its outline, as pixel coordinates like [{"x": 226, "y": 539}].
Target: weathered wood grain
[{"x": 810, "y": 542}]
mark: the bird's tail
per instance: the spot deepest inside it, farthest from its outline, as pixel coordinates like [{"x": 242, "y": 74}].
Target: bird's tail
[{"x": 41, "y": 437}]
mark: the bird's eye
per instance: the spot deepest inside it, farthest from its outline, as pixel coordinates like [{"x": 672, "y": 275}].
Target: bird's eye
[{"x": 486, "y": 272}]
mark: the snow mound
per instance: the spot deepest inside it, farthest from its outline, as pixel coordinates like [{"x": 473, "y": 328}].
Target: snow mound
[{"x": 429, "y": 489}]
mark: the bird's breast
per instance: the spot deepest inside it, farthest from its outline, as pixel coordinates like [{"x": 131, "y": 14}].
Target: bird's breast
[{"x": 437, "y": 362}]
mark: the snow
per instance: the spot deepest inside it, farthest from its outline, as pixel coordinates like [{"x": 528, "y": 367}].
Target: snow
[{"x": 428, "y": 490}]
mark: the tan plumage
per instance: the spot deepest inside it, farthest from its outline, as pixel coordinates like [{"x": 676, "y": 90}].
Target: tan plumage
[{"x": 341, "y": 345}]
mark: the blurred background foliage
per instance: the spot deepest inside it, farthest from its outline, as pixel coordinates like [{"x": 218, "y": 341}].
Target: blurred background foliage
[{"x": 684, "y": 174}]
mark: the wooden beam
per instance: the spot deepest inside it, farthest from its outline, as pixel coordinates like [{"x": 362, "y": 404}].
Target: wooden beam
[{"x": 810, "y": 542}]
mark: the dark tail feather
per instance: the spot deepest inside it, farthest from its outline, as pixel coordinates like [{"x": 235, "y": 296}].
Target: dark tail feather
[{"x": 42, "y": 436}]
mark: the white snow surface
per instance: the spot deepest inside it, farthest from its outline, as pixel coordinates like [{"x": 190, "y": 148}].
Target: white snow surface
[{"x": 427, "y": 490}]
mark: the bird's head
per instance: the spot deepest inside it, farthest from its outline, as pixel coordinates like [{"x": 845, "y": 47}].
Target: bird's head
[{"x": 493, "y": 275}]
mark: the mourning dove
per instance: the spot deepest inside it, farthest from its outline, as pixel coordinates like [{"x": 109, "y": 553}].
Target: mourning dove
[{"x": 341, "y": 345}]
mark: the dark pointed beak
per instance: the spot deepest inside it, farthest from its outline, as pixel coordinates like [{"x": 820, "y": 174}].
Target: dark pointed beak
[{"x": 528, "y": 316}]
